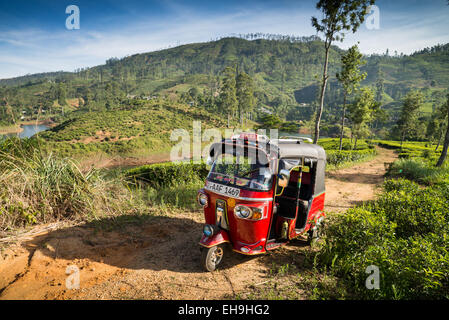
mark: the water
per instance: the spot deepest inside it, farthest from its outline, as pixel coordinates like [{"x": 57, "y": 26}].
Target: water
[{"x": 29, "y": 130}]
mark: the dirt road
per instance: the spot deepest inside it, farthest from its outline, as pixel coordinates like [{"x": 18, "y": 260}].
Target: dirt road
[{"x": 157, "y": 258}]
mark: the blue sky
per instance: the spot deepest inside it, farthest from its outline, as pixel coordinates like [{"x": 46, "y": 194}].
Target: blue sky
[{"x": 34, "y": 38}]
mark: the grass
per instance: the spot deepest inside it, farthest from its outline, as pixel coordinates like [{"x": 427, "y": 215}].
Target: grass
[
  {"x": 420, "y": 170},
  {"x": 38, "y": 187}
]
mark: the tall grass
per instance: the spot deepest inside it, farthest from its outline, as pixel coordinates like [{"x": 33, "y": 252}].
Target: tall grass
[
  {"x": 38, "y": 187},
  {"x": 419, "y": 170}
]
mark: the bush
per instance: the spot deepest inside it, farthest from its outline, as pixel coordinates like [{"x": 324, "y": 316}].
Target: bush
[
  {"x": 418, "y": 170},
  {"x": 405, "y": 233},
  {"x": 168, "y": 174},
  {"x": 337, "y": 158}
]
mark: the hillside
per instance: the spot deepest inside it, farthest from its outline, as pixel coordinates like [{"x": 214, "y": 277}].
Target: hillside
[
  {"x": 140, "y": 128},
  {"x": 284, "y": 70}
]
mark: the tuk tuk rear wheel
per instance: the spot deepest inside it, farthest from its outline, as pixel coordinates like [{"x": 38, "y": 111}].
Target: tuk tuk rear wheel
[
  {"x": 312, "y": 236},
  {"x": 212, "y": 257}
]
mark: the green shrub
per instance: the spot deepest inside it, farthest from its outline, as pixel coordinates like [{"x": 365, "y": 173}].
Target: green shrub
[
  {"x": 337, "y": 158},
  {"x": 168, "y": 174},
  {"x": 405, "y": 233},
  {"x": 334, "y": 144},
  {"x": 418, "y": 170}
]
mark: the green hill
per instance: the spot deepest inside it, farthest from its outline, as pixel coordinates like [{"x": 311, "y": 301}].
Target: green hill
[{"x": 285, "y": 72}]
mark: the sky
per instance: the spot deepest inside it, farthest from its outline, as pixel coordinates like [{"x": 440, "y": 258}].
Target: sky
[{"x": 34, "y": 36}]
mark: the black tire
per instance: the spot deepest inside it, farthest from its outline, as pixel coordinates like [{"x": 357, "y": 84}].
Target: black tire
[
  {"x": 314, "y": 234},
  {"x": 212, "y": 257}
]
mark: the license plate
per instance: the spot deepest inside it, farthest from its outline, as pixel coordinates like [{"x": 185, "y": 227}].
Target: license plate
[{"x": 224, "y": 190}]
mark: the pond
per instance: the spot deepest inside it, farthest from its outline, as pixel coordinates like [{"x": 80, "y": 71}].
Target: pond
[{"x": 29, "y": 130}]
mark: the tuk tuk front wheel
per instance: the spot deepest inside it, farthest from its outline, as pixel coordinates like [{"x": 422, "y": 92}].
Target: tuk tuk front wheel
[{"x": 212, "y": 257}]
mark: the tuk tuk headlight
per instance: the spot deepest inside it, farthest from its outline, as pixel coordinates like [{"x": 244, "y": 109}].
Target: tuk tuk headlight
[
  {"x": 202, "y": 199},
  {"x": 208, "y": 230},
  {"x": 250, "y": 213},
  {"x": 243, "y": 212}
]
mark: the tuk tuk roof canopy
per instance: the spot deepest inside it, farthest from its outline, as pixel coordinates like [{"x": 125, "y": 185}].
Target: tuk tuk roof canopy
[
  {"x": 293, "y": 148},
  {"x": 284, "y": 148}
]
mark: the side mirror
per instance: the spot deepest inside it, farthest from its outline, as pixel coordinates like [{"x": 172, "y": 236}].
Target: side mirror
[
  {"x": 209, "y": 161},
  {"x": 283, "y": 178}
]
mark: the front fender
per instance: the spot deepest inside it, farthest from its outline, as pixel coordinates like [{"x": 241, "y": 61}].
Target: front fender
[{"x": 220, "y": 237}]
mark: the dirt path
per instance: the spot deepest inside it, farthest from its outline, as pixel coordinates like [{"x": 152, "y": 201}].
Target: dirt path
[
  {"x": 157, "y": 258},
  {"x": 351, "y": 186}
]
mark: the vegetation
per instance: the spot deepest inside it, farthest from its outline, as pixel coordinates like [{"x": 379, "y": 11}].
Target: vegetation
[
  {"x": 404, "y": 233},
  {"x": 140, "y": 127},
  {"x": 40, "y": 188},
  {"x": 349, "y": 77}
]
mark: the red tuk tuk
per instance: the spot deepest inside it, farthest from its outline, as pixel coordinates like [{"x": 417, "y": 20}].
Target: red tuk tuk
[{"x": 259, "y": 194}]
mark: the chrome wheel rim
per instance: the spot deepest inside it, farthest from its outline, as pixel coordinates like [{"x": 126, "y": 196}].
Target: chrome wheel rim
[{"x": 217, "y": 255}]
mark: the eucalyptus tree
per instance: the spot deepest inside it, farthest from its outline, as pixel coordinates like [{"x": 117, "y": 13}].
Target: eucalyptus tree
[
  {"x": 409, "y": 113},
  {"x": 245, "y": 94},
  {"x": 338, "y": 16},
  {"x": 350, "y": 78},
  {"x": 361, "y": 112},
  {"x": 228, "y": 94}
]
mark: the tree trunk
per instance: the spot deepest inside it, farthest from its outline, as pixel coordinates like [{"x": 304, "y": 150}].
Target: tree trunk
[
  {"x": 323, "y": 89},
  {"x": 402, "y": 139},
  {"x": 445, "y": 147},
  {"x": 439, "y": 140},
  {"x": 342, "y": 123}
]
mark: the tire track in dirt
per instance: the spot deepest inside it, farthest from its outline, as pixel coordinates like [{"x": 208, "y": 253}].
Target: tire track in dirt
[{"x": 158, "y": 258}]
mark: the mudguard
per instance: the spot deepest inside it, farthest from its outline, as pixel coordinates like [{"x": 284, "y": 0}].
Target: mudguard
[{"x": 220, "y": 237}]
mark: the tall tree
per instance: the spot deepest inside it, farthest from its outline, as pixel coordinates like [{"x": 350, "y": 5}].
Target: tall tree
[
  {"x": 338, "y": 16},
  {"x": 379, "y": 85},
  {"x": 245, "y": 94},
  {"x": 361, "y": 111},
  {"x": 350, "y": 78},
  {"x": 228, "y": 95},
  {"x": 409, "y": 112},
  {"x": 445, "y": 108}
]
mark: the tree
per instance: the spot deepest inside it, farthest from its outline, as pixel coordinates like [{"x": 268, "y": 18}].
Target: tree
[
  {"x": 62, "y": 94},
  {"x": 245, "y": 94},
  {"x": 338, "y": 16},
  {"x": 228, "y": 96},
  {"x": 379, "y": 86},
  {"x": 409, "y": 112},
  {"x": 361, "y": 112},
  {"x": 350, "y": 78},
  {"x": 445, "y": 108}
]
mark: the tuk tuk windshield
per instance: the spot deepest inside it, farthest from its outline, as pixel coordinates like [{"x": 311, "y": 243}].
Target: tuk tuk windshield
[{"x": 241, "y": 171}]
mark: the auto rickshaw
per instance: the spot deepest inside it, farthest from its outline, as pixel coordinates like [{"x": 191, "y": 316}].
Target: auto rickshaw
[{"x": 259, "y": 194}]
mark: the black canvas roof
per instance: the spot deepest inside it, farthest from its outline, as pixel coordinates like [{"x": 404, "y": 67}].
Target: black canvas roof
[
  {"x": 284, "y": 148},
  {"x": 293, "y": 148}
]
